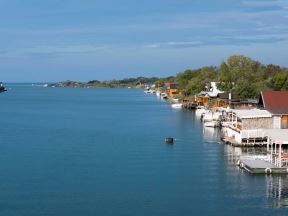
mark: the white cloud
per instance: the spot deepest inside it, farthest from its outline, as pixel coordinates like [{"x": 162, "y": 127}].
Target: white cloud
[
  {"x": 173, "y": 44},
  {"x": 261, "y": 3},
  {"x": 52, "y": 50}
]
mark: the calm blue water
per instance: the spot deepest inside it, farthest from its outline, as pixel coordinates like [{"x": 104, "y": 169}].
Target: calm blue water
[{"x": 101, "y": 152}]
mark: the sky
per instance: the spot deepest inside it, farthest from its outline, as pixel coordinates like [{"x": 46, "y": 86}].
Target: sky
[{"x": 56, "y": 40}]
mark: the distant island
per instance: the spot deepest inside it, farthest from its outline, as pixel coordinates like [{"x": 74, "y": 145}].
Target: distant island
[
  {"x": 240, "y": 75},
  {"x": 138, "y": 82}
]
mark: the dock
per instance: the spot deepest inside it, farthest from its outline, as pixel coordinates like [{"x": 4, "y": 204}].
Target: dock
[
  {"x": 250, "y": 143},
  {"x": 261, "y": 167}
]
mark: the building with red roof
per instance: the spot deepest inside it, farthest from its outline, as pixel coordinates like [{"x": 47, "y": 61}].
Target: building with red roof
[{"x": 276, "y": 102}]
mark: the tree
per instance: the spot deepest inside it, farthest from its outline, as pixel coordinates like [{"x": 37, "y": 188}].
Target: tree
[
  {"x": 226, "y": 81},
  {"x": 279, "y": 81}
]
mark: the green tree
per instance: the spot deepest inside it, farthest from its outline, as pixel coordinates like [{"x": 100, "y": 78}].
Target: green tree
[{"x": 279, "y": 81}]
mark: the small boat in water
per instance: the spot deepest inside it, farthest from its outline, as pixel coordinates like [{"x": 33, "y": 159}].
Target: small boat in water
[
  {"x": 148, "y": 91},
  {"x": 225, "y": 124},
  {"x": 175, "y": 100},
  {"x": 158, "y": 93},
  {"x": 177, "y": 106},
  {"x": 200, "y": 111},
  {"x": 2, "y": 88},
  {"x": 211, "y": 124},
  {"x": 212, "y": 116},
  {"x": 169, "y": 140},
  {"x": 164, "y": 96}
]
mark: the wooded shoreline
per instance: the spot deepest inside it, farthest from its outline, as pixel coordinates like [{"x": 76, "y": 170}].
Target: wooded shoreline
[{"x": 239, "y": 75}]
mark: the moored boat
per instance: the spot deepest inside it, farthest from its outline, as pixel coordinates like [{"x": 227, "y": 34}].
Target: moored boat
[
  {"x": 148, "y": 91},
  {"x": 158, "y": 93},
  {"x": 175, "y": 100},
  {"x": 177, "y": 106},
  {"x": 164, "y": 96},
  {"x": 211, "y": 124},
  {"x": 200, "y": 111}
]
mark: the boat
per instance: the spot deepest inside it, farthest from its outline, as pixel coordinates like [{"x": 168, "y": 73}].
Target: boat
[
  {"x": 164, "y": 96},
  {"x": 175, "y": 100},
  {"x": 211, "y": 124},
  {"x": 2, "y": 88},
  {"x": 200, "y": 111},
  {"x": 158, "y": 93},
  {"x": 177, "y": 106},
  {"x": 225, "y": 124},
  {"x": 212, "y": 116},
  {"x": 148, "y": 91}
]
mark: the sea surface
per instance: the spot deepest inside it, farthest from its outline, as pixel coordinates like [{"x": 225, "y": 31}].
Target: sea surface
[{"x": 85, "y": 152}]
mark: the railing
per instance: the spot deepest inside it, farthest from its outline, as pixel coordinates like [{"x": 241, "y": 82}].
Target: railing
[
  {"x": 279, "y": 162},
  {"x": 234, "y": 128},
  {"x": 255, "y": 157},
  {"x": 252, "y": 134}
]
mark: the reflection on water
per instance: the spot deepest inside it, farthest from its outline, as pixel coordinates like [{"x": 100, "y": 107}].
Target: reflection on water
[
  {"x": 277, "y": 191},
  {"x": 276, "y": 185},
  {"x": 211, "y": 134}
]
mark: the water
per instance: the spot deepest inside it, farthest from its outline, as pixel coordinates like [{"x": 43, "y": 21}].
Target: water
[{"x": 102, "y": 152}]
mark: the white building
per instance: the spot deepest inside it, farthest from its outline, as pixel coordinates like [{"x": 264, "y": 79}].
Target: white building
[{"x": 246, "y": 126}]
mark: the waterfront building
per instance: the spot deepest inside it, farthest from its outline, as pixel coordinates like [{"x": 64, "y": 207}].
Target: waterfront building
[
  {"x": 277, "y": 147},
  {"x": 245, "y": 127},
  {"x": 276, "y": 102},
  {"x": 172, "y": 90}
]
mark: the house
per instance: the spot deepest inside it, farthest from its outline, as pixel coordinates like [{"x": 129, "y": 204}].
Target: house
[
  {"x": 213, "y": 96},
  {"x": 276, "y": 102},
  {"x": 244, "y": 104},
  {"x": 247, "y": 126},
  {"x": 171, "y": 89},
  {"x": 213, "y": 99}
]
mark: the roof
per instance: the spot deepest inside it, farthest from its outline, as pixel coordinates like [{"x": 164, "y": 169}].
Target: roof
[
  {"x": 277, "y": 135},
  {"x": 208, "y": 94},
  {"x": 252, "y": 113},
  {"x": 275, "y": 101},
  {"x": 223, "y": 95},
  {"x": 215, "y": 88}
]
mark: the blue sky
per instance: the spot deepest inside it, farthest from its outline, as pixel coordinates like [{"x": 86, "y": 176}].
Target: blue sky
[{"x": 55, "y": 40}]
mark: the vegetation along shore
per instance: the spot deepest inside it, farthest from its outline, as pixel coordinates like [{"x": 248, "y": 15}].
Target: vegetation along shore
[{"x": 239, "y": 75}]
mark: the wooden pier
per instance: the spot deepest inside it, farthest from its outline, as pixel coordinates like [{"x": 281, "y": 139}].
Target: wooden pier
[
  {"x": 249, "y": 143},
  {"x": 261, "y": 167}
]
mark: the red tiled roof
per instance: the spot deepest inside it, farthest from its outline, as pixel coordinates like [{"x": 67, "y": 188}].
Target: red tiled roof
[{"x": 275, "y": 101}]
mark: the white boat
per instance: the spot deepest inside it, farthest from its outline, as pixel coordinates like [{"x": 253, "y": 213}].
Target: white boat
[
  {"x": 225, "y": 124},
  {"x": 211, "y": 124},
  {"x": 175, "y": 100},
  {"x": 148, "y": 91},
  {"x": 177, "y": 106},
  {"x": 158, "y": 93},
  {"x": 212, "y": 116},
  {"x": 164, "y": 96},
  {"x": 200, "y": 111}
]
